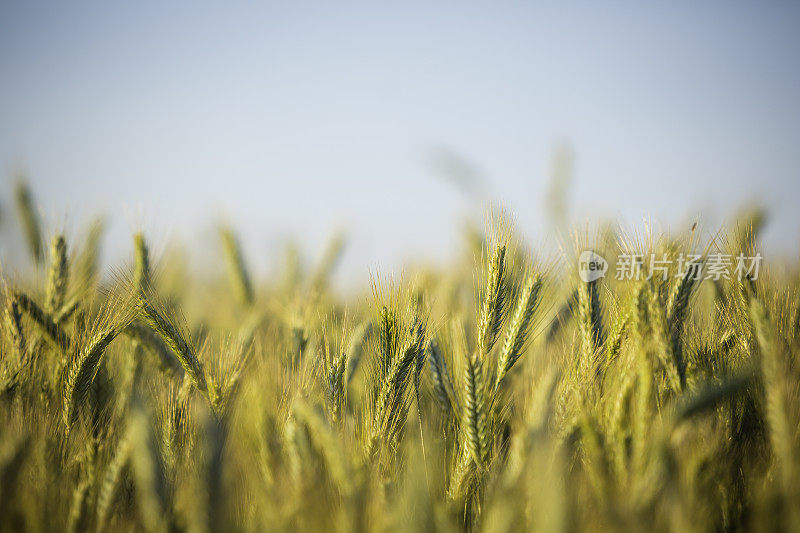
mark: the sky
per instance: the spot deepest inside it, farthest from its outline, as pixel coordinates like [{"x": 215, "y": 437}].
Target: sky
[{"x": 297, "y": 119}]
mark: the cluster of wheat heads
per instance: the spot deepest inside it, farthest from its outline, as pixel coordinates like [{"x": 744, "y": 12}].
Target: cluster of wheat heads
[{"x": 499, "y": 394}]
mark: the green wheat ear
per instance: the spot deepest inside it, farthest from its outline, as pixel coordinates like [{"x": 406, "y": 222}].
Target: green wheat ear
[
  {"x": 77, "y": 514},
  {"x": 475, "y": 412},
  {"x": 87, "y": 260},
  {"x": 590, "y": 316},
  {"x": 391, "y": 395},
  {"x": 13, "y": 317},
  {"x": 780, "y": 391},
  {"x": 519, "y": 326},
  {"x": 334, "y": 366},
  {"x": 495, "y": 298},
  {"x": 355, "y": 350},
  {"x": 29, "y": 220},
  {"x": 677, "y": 310},
  {"x": 713, "y": 394},
  {"x": 148, "y": 471},
  {"x": 53, "y": 332},
  {"x": 617, "y": 333},
  {"x": 58, "y": 275},
  {"x": 141, "y": 270},
  {"x": 177, "y": 341},
  {"x": 237, "y": 272},
  {"x": 110, "y": 481},
  {"x": 82, "y": 370},
  {"x": 444, "y": 391}
]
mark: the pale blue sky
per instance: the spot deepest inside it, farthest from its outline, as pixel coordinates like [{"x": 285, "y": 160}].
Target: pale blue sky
[{"x": 297, "y": 118}]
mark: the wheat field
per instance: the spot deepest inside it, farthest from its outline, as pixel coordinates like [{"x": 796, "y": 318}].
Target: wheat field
[{"x": 501, "y": 393}]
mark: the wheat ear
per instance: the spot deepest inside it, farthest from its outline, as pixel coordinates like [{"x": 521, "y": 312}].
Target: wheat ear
[
  {"x": 58, "y": 275},
  {"x": 81, "y": 371},
  {"x": 237, "y": 272},
  {"x": 177, "y": 342},
  {"x": 141, "y": 269},
  {"x": 53, "y": 331},
  {"x": 494, "y": 302},
  {"x": 519, "y": 327},
  {"x": 29, "y": 221}
]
